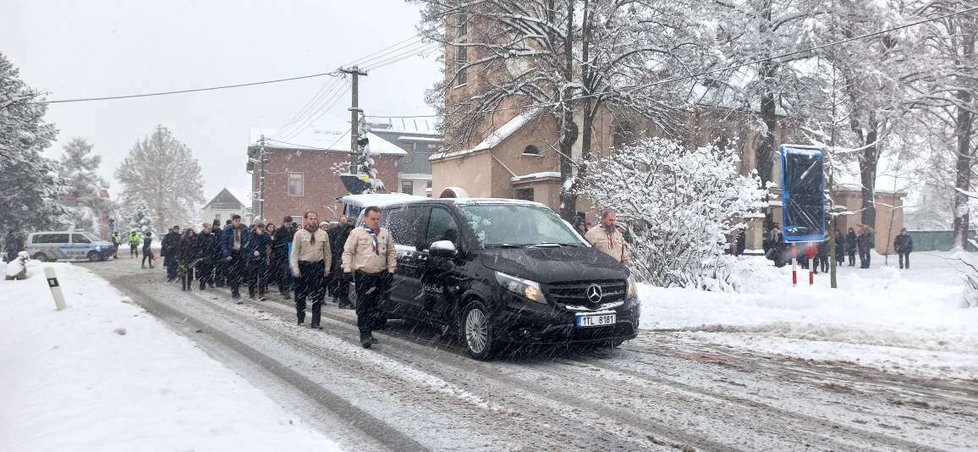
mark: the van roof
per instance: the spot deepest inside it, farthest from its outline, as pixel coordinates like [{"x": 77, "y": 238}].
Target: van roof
[
  {"x": 470, "y": 201},
  {"x": 378, "y": 199}
]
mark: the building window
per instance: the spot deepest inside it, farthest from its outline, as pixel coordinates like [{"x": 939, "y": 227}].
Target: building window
[
  {"x": 525, "y": 194},
  {"x": 217, "y": 217},
  {"x": 428, "y": 189},
  {"x": 531, "y": 150},
  {"x": 407, "y": 186},
  {"x": 296, "y": 185}
]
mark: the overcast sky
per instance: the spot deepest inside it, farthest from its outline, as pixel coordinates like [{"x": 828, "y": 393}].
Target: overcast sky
[{"x": 92, "y": 48}]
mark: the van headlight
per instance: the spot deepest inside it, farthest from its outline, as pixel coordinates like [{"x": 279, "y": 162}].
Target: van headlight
[
  {"x": 631, "y": 288},
  {"x": 522, "y": 287},
  {"x": 98, "y": 249}
]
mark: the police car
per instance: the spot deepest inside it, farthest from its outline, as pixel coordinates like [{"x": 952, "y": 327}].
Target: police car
[{"x": 68, "y": 245}]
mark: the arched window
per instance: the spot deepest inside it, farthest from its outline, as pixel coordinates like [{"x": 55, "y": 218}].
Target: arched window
[{"x": 531, "y": 150}]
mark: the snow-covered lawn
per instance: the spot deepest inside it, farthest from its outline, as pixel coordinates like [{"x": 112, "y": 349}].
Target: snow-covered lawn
[
  {"x": 105, "y": 375},
  {"x": 906, "y": 321}
]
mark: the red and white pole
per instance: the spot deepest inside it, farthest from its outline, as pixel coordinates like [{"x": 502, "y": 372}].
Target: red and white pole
[{"x": 794, "y": 262}]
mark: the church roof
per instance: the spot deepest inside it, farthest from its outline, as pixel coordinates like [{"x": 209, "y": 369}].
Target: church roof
[{"x": 224, "y": 201}]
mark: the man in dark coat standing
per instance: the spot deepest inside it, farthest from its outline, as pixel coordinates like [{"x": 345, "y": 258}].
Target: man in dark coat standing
[
  {"x": 865, "y": 243},
  {"x": 840, "y": 248},
  {"x": 257, "y": 258},
  {"x": 822, "y": 257},
  {"x": 281, "y": 242},
  {"x": 206, "y": 242},
  {"x": 903, "y": 244},
  {"x": 235, "y": 248},
  {"x": 217, "y": 254},
  {"x": 340, "y": 283},
  {"x": 168, "y": 249},
  {"x": 852, "y": 244}
]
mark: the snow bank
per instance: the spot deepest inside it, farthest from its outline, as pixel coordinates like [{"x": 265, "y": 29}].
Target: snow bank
[
  {"x": 904, "y": 320},
  {"x": 105, "y": 375}
]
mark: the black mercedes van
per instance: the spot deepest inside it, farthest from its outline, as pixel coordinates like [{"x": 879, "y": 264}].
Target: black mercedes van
[{"x": 500, "y": 271}]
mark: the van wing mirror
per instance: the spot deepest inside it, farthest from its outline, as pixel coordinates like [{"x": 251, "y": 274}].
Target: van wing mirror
[{"x": 443, "y": 248}]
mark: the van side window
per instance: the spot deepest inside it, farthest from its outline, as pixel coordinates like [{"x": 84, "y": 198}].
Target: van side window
[
  {"x": 404, "y": 223},
  {"x": 41, "y": 238},
  {"x": 441, "y": 226},
  {"x": 57, "y": 238},
  {"x": 79, "y": 238}
]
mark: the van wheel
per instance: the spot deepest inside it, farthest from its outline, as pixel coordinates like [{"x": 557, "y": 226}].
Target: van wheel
[
  {"x": 477, "y": 331},
  {"x": 40, "y": 257},
  {"x": 93, "y": 256}
]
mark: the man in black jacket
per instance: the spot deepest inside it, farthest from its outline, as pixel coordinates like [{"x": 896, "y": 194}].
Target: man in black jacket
[
  {"x": 280, "y": 256},
  {"x": 168, "y": 249},
  {"x": 206, "y": 242},
  {"x": 903, "y": 244},
  {"x": 340, "y": 282}
]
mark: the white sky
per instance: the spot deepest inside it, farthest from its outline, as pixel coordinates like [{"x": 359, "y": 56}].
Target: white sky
[{"x": 95, "y": 48}]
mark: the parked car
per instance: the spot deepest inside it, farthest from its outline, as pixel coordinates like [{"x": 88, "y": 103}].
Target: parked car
[
  {"x": 503, "y": 272},
  {"x": 68, "y": 245}
]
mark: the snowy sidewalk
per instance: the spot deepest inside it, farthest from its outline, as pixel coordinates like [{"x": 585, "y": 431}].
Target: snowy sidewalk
[
  {"x": 904, "y": 321},
  {"x": 104, "y": 375}
]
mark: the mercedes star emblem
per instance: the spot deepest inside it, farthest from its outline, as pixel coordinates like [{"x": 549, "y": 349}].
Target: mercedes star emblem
[{"x": 594, "y": 293}]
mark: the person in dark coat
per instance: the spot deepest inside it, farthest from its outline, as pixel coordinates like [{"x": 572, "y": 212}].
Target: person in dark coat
[
  {"x": 903, "y": 244},
  {"x": 147, "y": 249},
  {"x": 206, "y": 242},
  {"x": 235, "y": 249},
  {"x": 840, "y": 248},
  {"x": 258, "y": 248},
  {"x": 281, "y": 241},
  {"x": 822, "y": 257},
  {"x": 271, "y": 274},
  {"x": 340, "y": 287},
  {"x": 187, "y": 254},
  {"x": 168, "y": 249},
  {"x": 220, "y": 275},
  {"x": 852, "y": 242},
  {"x": 865, "y": 243},
  {"x": 740, "y": 244}
]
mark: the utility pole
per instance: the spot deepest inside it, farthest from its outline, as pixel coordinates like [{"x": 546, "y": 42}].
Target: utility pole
[
  {"x": 354, "y": 116},
  {"x": 261, "y": 178}
]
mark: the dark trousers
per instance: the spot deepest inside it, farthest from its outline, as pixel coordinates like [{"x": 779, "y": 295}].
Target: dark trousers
[
  {"x": 803, "y": 262},
  {"x": 310, "y": 285},
  {"x": 823, "y": 261},
  {"x": 171, "y": 267},
  {"x": 257, "y": 279},
  {"x": 284, "y": 277},
  {"x": 205, "y": 273},
  {"x": 235, "y": 269},
  {"x": 133, "y": 250},
  {"x": 187, "y": 276},
  {"x": 852, "y": 258},
  {"x": 864, "y": 259},
  {"x": 340, "y": 287},
  {"x": 370, "y": 288},
  {"x": 147, "y": 255},
  {"x": 904, "y": 260}
]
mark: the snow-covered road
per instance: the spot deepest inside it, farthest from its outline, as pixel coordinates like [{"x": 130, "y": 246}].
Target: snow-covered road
[{"x": 416, "y": 390}]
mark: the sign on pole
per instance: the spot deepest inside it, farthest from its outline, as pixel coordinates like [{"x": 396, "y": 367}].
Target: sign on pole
[{"x": 802, "y": 193}]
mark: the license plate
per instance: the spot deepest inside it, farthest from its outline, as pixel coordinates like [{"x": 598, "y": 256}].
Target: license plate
[{"x": 593, "y": 320}]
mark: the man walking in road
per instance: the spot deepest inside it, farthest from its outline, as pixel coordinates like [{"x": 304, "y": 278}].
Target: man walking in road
[
  {"x": 608, "y": 238},
  {"x": 340, "y": 283},
  {"x": 903, "y": 244},
  {"x": 147, "y": 249},
  {"x": 134, "y": 244},
  {"x": 206, "y": 244},
  {"x": 281, "y": 241},
  {"x": 310, "y": 262},
  {"x": 237, "y": 240},
  {"x": 369, "y": 256},
  {"x": 168, "y": 250},
  {"x": 117, "y": 241}
]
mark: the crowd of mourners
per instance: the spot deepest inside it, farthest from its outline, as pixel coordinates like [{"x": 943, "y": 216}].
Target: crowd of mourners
[{"x": 849, "y": 245}]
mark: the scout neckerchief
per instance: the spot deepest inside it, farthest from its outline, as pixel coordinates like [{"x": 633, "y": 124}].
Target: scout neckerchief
[
  {"x": 611, "y": 243},
  {"x": 373, "y": 239}
]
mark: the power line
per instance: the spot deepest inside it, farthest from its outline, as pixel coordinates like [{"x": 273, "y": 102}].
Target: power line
[
  {"x": 401, "y": 117},
  {"x": 408, "y": 54},
  {"x": 309, "y": 105},
  {"x": 312, "y": 107},
  {"x": 192, "y": 90}
]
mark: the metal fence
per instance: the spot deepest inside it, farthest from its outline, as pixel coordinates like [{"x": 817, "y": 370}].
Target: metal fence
[{"x": 939, "y": 240}]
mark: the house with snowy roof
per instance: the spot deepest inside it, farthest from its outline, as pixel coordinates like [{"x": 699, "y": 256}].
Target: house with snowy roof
[
  {"x": 419, "y": 138},
  {"x": 300, "y": 170},
  {"x": 222, "y": 206}
]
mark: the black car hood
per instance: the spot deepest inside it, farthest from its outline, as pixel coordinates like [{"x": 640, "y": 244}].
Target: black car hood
[{"x": 549, "y": 265}]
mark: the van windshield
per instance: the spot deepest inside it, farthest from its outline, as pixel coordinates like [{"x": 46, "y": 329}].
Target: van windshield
[{"x": 498, "y": 225}]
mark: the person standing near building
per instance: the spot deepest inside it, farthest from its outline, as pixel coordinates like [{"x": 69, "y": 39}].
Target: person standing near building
[
  {"x": 310, "y": 262},
  {"x": 903, "y": 245},
  {"x": 852, "y": 245},
  {"x": 822, "y": 252},
  {"x": 608, "y": 238},
  {"x": 865, "y": 243},
  {"x": 134, "y": 244},
  {"x": 370, "y": 258},
  {"x": 236, "y": 242},
  {"x": 340, "y": 287},
  {"x": 281, "y": 241},
  {"x": 168, "y": 250},
  {"x": 147, "y": 249}
]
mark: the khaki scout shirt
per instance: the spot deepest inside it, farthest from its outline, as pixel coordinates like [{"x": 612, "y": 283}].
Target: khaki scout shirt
[
  {"x": 612, "y": 244},
  {"x": 304, "y": 251},
  {"x": 358, "y": 253}
]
